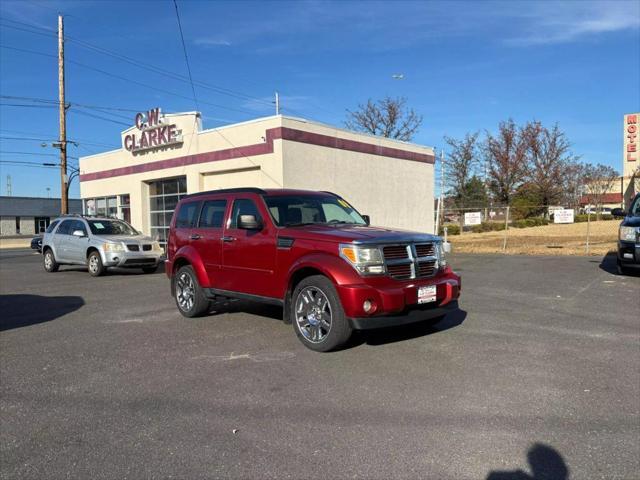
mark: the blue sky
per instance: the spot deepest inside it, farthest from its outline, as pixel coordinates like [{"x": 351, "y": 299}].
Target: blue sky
[{"x": 466, "y": 66}]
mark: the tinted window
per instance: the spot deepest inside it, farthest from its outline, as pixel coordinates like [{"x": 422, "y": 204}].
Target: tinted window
[
  {"x": 187, "y": 215},
  {"x": 212, "y": 214},
  {"x": 52, "y": 226},
  {"x": 65, "y": 227},
  {"x": 243, "y": 207},
  {"x": 303, "y": 209},
  {"x": 635, "y": 208}
]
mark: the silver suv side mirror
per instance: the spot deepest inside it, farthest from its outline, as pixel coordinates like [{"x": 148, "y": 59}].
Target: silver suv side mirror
[{"x": 78, "y": 233}]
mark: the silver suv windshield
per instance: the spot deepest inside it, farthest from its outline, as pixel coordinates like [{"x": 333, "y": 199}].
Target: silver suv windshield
[
  {"x": 292, "y": 210},
  {"x": 111, "y": 227}
]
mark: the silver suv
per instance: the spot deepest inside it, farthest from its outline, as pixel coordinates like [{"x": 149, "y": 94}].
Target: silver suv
[{"x": 98, "y": 242}]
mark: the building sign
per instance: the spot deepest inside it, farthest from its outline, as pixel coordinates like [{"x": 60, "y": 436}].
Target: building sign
[
  {"x": 631, "y": 137},
  {"x": 563, "y": 216},
  {"x": 473, "y": 218},
  {"x": 152, "y": 133}
]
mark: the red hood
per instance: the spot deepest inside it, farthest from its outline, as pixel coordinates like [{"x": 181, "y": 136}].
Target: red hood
[{"x": 356, "y": 234}]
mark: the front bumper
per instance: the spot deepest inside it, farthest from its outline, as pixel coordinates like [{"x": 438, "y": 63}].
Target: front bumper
[
  {"x": 131, "y": 259},
  {"x": 396, "y": 300},
  {"x": 629, "y": 254},
  {"x": 410, "y": 316}
]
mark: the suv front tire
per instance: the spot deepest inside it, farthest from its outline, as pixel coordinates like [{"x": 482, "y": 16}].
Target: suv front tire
[
  {"x": 317, "y": 314},
  {"x": 49, "y": 261}
]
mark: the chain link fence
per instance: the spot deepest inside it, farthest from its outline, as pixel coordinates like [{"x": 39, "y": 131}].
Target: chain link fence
[{"x": 530, "y": 229}]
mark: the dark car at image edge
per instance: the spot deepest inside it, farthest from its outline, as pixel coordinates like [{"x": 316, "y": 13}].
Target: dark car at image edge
[{"x": 628, "y": 257}]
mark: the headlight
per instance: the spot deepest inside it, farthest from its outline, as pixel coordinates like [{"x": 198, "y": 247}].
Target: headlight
[
  {"x": 366, "y": 260},
  {"x": 628, "y": 234},
  {"x": 157, "y": 247},
  {"x": 442, "y": 257},
  {"x": 113, "y": 247}
]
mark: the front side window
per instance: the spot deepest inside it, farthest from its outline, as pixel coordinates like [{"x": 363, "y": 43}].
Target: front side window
[
  {"x": 52, "y": 227},
  {"x": 111, "y": 227},
  {"x": 212, "y": 214},
  {"x": 187, "y": 214},
  {"x": 243, "y": 206},
  {"x": 289, "y": 210},
  {"x": 77, "y": 225},
  {"x": 65, "y": 227}
]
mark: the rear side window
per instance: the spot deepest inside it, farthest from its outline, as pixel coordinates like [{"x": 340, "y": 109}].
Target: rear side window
[
  {"x": 243, "y": 207},
  {"x": 65, "y": 227},
  {"x": 212, "y": 214},
  {"x": 187, "y": 214},
  {"x": 52, "y": 227}
]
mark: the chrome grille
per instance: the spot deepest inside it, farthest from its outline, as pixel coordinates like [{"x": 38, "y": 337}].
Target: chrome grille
[
  {"x": 406, "y": 261},
  {"x": 394, "y": 252},
  {"x": 425, "y": 250}
]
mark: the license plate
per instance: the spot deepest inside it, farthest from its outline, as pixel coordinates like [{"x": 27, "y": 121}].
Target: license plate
[{"x": 427, "y": 294}]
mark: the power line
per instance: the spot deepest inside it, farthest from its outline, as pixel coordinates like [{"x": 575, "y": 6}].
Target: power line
[
  {"x": 8, "y": 152},
  {"x": 186, "y": 57},
  {"x": 53, "y": 138},
  {"x": 92, "y": 115}
]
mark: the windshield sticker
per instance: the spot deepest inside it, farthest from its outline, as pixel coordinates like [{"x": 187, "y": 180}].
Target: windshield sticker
[{"x": 98, "y": 225}]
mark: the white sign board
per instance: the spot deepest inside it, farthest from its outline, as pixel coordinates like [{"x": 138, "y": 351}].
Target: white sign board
[
  {"x": 473, "y": 218},
  {"x": 563, "y": 216}
]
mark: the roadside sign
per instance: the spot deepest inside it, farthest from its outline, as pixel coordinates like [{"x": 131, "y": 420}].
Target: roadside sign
[
  {"x": 473, "y": 218},
  {"x": 563, "y": 216}
]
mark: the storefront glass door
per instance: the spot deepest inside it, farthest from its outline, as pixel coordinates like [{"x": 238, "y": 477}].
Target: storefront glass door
[{"x": 163, "y": 198}]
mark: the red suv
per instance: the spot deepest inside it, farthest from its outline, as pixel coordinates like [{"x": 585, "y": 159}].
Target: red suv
[{"x": 310, "y": 252}]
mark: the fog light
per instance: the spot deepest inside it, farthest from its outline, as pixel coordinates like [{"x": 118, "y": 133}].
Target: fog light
[{"x": 368, "y": 306}]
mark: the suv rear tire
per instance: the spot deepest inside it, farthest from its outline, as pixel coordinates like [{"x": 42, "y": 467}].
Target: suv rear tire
[
  {"x": 49, "y": 261},
  {"x": 317, "y": 315},
  {"x": 189, "y": 296}
]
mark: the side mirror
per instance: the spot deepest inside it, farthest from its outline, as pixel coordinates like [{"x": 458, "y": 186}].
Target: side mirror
[
  {"x": 618, "y": 212},
  {"x": 367, "y": 219},
  {"x": 249, "y": 222},
  {"x": 78, "y": 233}
]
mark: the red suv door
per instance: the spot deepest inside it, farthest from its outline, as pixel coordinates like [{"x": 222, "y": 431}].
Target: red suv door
[
  {"x": 249, "y": 256},
  {"x": 206, "y": 237}
]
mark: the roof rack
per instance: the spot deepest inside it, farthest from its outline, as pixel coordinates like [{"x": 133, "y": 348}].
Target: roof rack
[{"x": 259, "y": 191}]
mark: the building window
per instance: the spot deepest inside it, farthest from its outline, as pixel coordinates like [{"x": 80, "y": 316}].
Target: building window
[
  {"x": 103, "y": 206},
  {"x": 17, "y": 225},
  {"x": 164, "y": 195},
  {"x": 125, "y": 208}
]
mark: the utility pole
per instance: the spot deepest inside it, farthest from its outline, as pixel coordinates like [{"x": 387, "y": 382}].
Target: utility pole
[
  {"x": 277, "y": 103},
  {"x": 64, "y": 204}
]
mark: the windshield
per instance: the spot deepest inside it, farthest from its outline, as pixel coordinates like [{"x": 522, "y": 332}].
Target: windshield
[
  {"x": 634, "y": 211},
  {"x": 311, "y": 209},
  {"x": 110, "y": 227}
]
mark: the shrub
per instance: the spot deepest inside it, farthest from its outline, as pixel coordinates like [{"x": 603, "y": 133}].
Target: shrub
[{"x": 452, "y": 229}]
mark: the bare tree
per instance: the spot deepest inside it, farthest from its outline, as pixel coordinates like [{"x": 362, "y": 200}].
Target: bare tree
[
  {"x": 573, "y": 184},
  {"x": 549, "y": 153},
  {"x": 599, "y": 180},
  {"x": 461, "y": 164},
  {"x": 388, "y": 117},
  {"x": 506, "y": 160}
]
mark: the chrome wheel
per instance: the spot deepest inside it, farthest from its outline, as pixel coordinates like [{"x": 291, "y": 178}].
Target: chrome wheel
[
  {"x": 94, "y": 266},
  {"x": 313, "y": 314},
  {"x": 185, "y": 292},
  {"x": 48, "y": 260}
]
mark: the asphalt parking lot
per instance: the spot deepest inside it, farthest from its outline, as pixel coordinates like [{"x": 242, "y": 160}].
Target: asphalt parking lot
[{"x": 538, "y": 375}]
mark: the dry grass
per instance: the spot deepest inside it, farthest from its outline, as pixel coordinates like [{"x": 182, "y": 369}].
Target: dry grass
[
  {"x": 553, "y": 239},
  {"x": 15, "y": 242}
]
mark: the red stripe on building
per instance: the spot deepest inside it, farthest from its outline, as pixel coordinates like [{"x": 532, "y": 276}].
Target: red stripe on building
[
  {"x": 272, "y": 134},
  {"x": 606, "y": 198}
]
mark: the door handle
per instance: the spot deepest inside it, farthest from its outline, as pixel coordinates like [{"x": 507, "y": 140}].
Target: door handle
[
  {"x": 195, "y": 236},
  {"x": 228, "y": 239}
]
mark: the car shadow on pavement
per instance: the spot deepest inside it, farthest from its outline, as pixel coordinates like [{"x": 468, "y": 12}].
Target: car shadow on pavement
[
  {"x": 401, "y": 333},
  {"x": 609, "y": 265},
  {"x": 24, "y": 310},
  {"x": 545, "y": 463}
]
